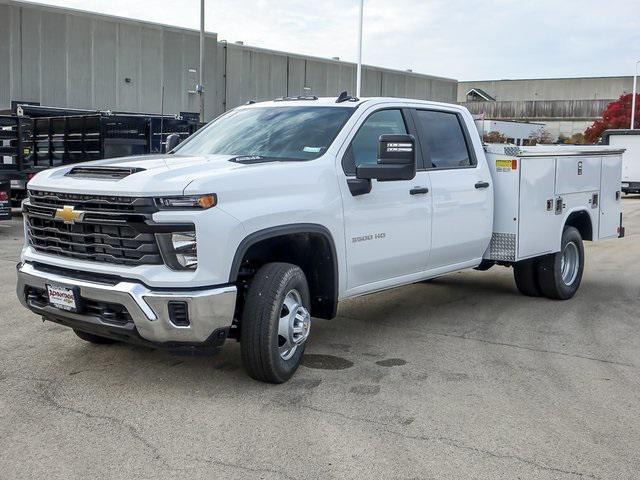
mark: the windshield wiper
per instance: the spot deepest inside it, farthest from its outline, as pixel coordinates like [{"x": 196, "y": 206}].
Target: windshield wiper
[{"x": 250, "y": 159}]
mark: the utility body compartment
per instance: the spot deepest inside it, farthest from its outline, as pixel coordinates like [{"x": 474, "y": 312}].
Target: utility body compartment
[{"x": 537, "y": 189}]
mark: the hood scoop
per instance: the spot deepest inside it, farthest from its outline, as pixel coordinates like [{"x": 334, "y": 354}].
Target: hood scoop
[{"x": 103, "y": 173}]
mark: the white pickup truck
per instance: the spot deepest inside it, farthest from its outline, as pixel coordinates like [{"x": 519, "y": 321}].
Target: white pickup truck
[{"x": 275, "y": 211}]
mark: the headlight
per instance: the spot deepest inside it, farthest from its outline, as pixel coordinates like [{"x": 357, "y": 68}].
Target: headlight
[
  {"x": 188, "y": 202},
  {"x": 179, "y": 250}
]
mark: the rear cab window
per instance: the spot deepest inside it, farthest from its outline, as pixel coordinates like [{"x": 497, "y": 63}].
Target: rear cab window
[{"x": 445, "y": 142}]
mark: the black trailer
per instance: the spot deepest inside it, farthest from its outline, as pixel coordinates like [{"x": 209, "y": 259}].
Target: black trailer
[
  {"x": 16, "y": 157},
  {"x": 37, "y": 142},
  {"x": 78, "y": 138}
]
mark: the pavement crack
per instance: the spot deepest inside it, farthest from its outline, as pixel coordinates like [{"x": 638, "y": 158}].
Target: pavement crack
[
  {"x": 245, "y": 468},
  {"x": 48, "y": 397},
  {"x": 464, "y": 336},
  {"x": 533, "y": 349},
  {"x": 454, "y": 443},
  {"x": 450, "y": 442}
]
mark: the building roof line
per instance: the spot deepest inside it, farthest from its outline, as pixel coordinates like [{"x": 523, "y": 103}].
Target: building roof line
[
  {"x": 102, "y": 16},
  {"x": 550, "y": 78}
]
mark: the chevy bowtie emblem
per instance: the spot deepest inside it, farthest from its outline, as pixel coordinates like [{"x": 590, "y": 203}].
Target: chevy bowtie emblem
[{"x": 68, "y": 215}]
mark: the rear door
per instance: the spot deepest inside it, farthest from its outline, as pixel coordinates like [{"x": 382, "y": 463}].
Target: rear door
[
  {"x": 388, "y": 229},
  {"x": 462, "y": 196}
]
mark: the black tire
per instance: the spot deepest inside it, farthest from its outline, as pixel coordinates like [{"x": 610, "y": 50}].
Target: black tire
[
  {"x": 90, "y": 337},
  {"x": 263, "y": 307},
  {"x": 525, "y": 274},
  {"x": 552, "y": 284}
]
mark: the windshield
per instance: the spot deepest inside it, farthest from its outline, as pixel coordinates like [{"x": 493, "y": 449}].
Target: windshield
[{"x": 281, "y": 133}]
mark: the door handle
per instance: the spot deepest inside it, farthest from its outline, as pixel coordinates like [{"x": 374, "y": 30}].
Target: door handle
[
  {"x": 482, "y": 185},
  {"x": 418, "y": 190}
]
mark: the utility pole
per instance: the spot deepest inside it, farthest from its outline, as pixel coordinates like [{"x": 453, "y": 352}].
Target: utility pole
[
  {"x": 200, "y": 87},
  {"x": 359, "y": 70},
  {"x": 633, "y": 99}
]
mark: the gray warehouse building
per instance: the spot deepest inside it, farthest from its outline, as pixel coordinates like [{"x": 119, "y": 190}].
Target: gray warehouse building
[
  {"x": 76, "y": 59},
  {"x": 565, "y": 105}
]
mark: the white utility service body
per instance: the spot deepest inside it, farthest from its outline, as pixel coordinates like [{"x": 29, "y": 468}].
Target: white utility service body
[
  {"x": 629, "y": 140},
  {"x": 538, "y": 188},
  {"x": 275, "y": 211}
]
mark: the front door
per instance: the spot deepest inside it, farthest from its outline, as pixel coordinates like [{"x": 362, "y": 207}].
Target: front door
[{"x": 388, "y": 229}]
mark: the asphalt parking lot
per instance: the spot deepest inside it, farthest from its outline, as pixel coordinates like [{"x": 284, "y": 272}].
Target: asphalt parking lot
[{"x": 458, "y": 378}]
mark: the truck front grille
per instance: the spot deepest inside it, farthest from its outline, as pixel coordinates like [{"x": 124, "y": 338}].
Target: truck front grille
[{"x": 105, "y": 229}]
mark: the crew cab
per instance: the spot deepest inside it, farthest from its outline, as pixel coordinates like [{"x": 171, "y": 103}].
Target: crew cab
[{"x": 276, "y": 211}]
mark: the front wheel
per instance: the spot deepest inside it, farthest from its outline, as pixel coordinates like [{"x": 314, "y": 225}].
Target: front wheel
[
  {"x": 275, "y": 322},
  {"x": 560, "y": 274}
]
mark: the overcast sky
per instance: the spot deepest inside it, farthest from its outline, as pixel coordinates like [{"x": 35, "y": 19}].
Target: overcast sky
[{"x": 490, "y": 39}]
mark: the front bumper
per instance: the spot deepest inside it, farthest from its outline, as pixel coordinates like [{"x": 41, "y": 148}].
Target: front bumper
[{"x": 147, "y": 316}]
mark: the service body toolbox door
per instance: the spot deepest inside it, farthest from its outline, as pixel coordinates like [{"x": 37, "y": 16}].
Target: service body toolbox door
[
  {"x": 538, "y": 222},
  {"x": 610, "y": 205}
]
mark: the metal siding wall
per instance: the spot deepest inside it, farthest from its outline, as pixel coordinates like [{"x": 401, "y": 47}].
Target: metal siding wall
[
  {"x": 550, "y": 89},
  {"x": 297, "y": 68},
  {"x": 255, "y": 74},
  {"x": 104, "y": 68},
  {"x": 53, "y": 48},
  {"x": 79, "y": 65},
  {"x": 191, "y": 60},
  {"x": 235, "y": 80},
  {"x": 348, "y": 78},
  {"x": 542, "y": 110},
  {"x": 278, "y": 75},
  {"x": 210, "y": 78},
  {"x": 150, "y": 80},
  {"x": 220, "y": 81},
  {"x": 371, "y": 82},
  {"x": 317, "y": 78},
  {"x": 31, "y": 61},
  {"x": 74, "y": 59},
  {"x": 5, "y": 55},
  {"x": 129, "y": 56},
  {"x": 393, "y": 85},
  {"x": 172, "y": 67},
  {"x": 16, "y": 54}
]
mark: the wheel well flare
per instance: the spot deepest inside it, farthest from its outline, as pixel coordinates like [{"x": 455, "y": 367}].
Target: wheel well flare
[
  {"x": 582, "y": 222},
  {"x": 309, "y": 247}
]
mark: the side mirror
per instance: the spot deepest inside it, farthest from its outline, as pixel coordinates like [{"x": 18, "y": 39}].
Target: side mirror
[
  {"x": 396, "y": 160},
  {"x": 172, "y": 142}
]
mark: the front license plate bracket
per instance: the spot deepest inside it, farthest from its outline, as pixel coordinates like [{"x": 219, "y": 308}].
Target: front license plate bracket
[{"x": 64, "y": 297}]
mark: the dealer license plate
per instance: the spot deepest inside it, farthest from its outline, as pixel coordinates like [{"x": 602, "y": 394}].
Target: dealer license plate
[{"x": 62, "y": 297}]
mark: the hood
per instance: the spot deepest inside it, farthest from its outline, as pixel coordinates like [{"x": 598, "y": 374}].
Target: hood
[{"x": 149, "y": 175}]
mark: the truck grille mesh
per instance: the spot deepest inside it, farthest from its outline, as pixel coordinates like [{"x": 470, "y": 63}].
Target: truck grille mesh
[{"x": 112, "y": 230}]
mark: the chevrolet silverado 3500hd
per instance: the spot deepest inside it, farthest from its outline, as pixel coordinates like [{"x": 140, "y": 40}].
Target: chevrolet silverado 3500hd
[{"x": 275, "y": 211}]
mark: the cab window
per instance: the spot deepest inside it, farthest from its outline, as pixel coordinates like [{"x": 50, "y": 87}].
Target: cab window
[
  {"x": 364, "y": 146},
  {"x": 444, "y": 138}
]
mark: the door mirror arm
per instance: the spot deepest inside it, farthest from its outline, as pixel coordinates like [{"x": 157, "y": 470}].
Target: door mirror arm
[{"x": 359, "y": 186}]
